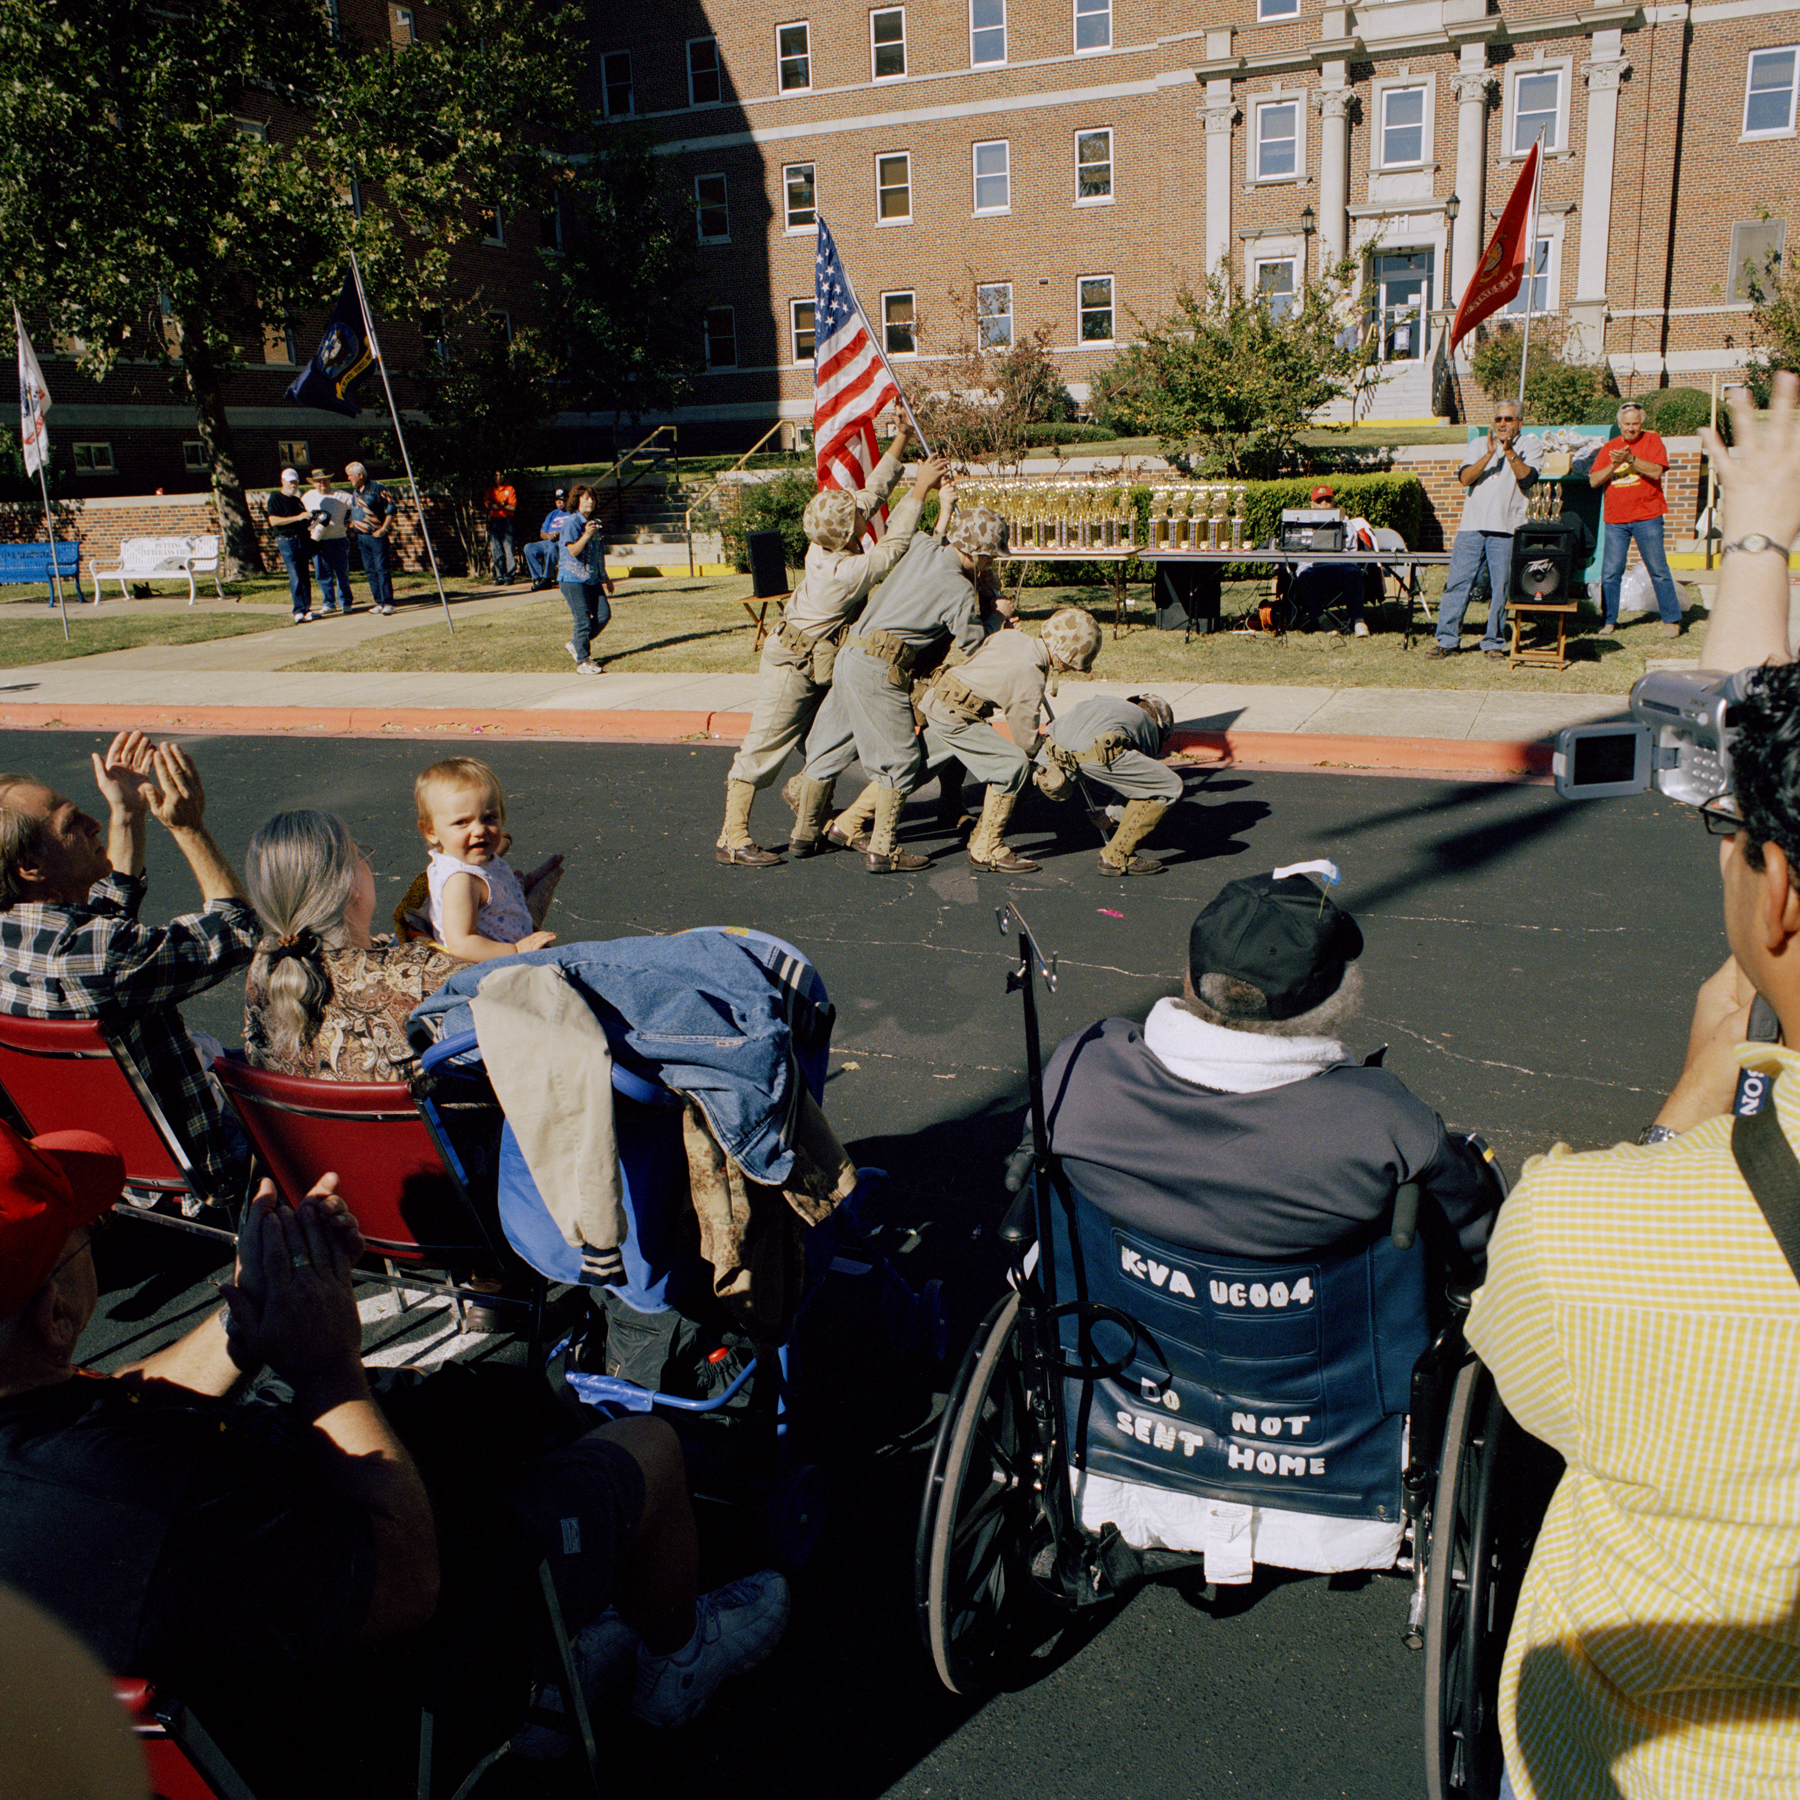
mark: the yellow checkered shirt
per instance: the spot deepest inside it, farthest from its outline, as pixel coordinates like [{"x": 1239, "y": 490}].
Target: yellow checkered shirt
[{"x": 1639, "y": 1316}]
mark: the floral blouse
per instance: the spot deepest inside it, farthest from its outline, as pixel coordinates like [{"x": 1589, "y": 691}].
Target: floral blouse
[{"x": 362, "y": 1036}]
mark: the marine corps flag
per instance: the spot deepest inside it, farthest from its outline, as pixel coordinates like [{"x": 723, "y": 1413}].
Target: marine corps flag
[
  {"x": 34, "y": 402},
  {"x": 1502, "y": 266},
  {"x": 343, "y": 357}
]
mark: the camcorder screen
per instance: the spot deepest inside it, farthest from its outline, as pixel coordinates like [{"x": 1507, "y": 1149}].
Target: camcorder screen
[{"x": 1607, "y": 757}]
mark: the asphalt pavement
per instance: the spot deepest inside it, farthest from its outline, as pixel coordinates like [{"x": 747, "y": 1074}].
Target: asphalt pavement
[{"x": 1530, "y": 962}]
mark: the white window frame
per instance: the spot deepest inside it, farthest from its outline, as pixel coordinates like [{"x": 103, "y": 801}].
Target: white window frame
[
  {"x": 1286, "y": 259},
  {"x": 495, "y": 237},
  {"x": 911, "y": 296},
  {"x": 992, "y": 62},
  {"x": 811, "y": 226},
  {"x": 882, "y": 156},
  {"x": 192, "y": 463},
  {"x": 1787, "y": 130},
  {"x": 702, "y": 207},
  {"x": 607, "y": 85},
  {"x": 1378, "y": 104},
  {"x": 718, "y": 71},
  {"x": 794, "y": 307},
  {"x": 886, "y": 12},
  {"x": 253, "y": 129},
  {"x": 982, "y": 341},
  {"x": 1106, "y": 199},
  {"x": 1563, "y": 68},
  {"x": 86, "y": 463},
  {"x": 1550, "y": 243},
  {"x": 706, "y": 319},
  {"x": 1259, "y": 103},
  {"x": 403, "y": 25},
  {"x": 1090, "y": 7},
  {"x": 782, "y": 90},
  {"x": 1082, "y": 341},
  {"x": 1276, "y": 9},
  {"x": 1732, "y": 296},
  {"x": 1004, "y": 145}
]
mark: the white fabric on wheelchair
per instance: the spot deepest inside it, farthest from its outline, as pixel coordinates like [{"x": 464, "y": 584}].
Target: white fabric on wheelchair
[
  {"x": 1232, "y": 1536},
  {"x": 1233, "y": 1062}
]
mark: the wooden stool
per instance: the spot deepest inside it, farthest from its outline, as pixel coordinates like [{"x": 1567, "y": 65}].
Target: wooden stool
[
  {"x": 1540, "y": 655},
  {"x": 759, "y": 613}
]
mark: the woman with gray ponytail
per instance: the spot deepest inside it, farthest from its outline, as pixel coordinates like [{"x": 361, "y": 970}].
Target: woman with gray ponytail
[{"x": 324, "y": 998}]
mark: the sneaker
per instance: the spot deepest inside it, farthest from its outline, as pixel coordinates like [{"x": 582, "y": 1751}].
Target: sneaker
[
  {"x": 570, "y": 647},
  {"x": 590, "y": 667},
  {"x": 735, "y": 1628},
  {"x": 1608, "y": 628},
  {"x": 606, "y": 1655},
  {"x": 1495, "y": 655},
  {"x": 1671, "y": 629},
  {"x": 385, "y": 611},
  {"x": 303, "y": 618},
  {"x": 1361, "y": 628}
]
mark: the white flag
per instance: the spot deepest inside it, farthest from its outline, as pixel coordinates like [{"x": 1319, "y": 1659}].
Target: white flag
[{"x": 34, "y": 402}]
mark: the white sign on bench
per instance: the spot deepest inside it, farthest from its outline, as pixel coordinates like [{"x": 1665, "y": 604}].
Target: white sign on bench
[{"x": 162, "y": 559}]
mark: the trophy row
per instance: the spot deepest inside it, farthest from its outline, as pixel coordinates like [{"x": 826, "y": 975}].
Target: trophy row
[{"x": 1048, "y": 517}]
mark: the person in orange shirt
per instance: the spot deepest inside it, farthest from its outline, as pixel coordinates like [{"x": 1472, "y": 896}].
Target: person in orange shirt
[
  {"x": 501, "y": 501},
  {"x": 1630, "y": 468}
]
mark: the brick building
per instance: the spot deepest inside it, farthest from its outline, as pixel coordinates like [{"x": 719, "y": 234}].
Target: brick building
[{"x": 1072, "y": 162}]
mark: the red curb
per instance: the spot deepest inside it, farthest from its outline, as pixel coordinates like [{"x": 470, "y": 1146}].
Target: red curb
[{"x": 1317, "y": 751}]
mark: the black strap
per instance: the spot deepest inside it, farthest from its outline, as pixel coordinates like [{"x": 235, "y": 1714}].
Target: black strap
[{"x": 1768, "y": 1163}]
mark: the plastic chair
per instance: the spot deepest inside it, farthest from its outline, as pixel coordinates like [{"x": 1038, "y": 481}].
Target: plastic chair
[
  {"x": 182, "y": 1762},
  {"x": 73, "y": 1074},
  {"x": 409, "y": 1183}
]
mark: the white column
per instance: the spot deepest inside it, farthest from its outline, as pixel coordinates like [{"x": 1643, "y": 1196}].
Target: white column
[
  {"x": 1603, "y": 74},
  {"x": 1474, "y": 91},
  {"x": 1220, "y": 115},
  {"x": 1334, "y": 168}
]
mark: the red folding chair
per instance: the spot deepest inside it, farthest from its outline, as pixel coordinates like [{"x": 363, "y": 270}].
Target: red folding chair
[
  {"x": 183, "y": 1763},
  {"x": 408, "y": 1187},
  {"x": 76, "y": 1075}
]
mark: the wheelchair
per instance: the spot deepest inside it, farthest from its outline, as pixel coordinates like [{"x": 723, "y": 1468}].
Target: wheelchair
[{"x": 1225, "y": 1409}]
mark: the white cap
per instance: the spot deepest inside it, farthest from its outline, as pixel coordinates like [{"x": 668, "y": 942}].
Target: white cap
[{"x": 290, "y": 474}]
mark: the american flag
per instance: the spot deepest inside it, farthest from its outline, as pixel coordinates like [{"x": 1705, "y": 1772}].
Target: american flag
[{"x": 852, "y": 383}]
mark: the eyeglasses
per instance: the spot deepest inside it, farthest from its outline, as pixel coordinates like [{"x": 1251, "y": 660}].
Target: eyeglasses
[{"x": 1720, "y": 816}]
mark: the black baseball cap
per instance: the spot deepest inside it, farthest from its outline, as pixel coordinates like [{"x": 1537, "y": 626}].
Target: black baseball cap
[{"x": 1286, "y": 937}]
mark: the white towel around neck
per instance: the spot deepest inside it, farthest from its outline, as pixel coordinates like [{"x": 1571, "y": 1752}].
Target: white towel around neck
[{"x": 1235, "y": 1062}]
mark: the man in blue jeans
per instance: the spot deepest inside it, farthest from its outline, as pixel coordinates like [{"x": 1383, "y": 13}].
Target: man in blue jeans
[
  {"x": 1630, "y": 470},
  {"x": 371, "y": 524},
  {"x": 1495, "y": 481}
]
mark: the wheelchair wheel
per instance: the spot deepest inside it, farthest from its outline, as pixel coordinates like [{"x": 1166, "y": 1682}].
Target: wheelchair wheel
[
  {"x": 972, "y": 1566},
  {"x": 1494, "y": 1482}
]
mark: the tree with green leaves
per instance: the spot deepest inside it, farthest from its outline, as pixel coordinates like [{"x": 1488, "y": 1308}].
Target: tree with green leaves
[
  {"x": 147, "y": 212},
  {"x": 1774, "y": 291}
]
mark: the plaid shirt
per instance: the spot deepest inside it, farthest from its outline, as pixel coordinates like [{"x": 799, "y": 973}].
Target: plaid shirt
[{"x": 97, "y": 962}]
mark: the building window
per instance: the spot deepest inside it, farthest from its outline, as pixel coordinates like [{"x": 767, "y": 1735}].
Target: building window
[
  {"x": 704, "y": 85},
  {"x": 253, "y": 129},
  {"x": 1096, "y": 298},
  {"x": 898, "y": 318},
  {"x": 793, "y": 57},
  {"x": 710, "y": 210},
  {"x": 1537, "y": 109},
  {"x": 294, "y": 453},
  {"x": 278, "y": 345},
  {"x": 499, "y": 326},
  {"x": 801, "y": 204},
  {"x": 435, "y": 335},
  {"x": 1093, "y": 25},
  {"x": 887, "y": 43},
  {"x": 1275, "y": 285},
  {"x": 1278, "y": 141},
  {"x": 994, "y": 316},
  {"x": 893, "y": 189},
  {"x": 403, "y": 28},
  {"x": 800, "y": 320},
  {"x": 1538, "y": 291},
  {"x": 1277, "y": 9},
  {"x": 1752, "y": 245},
  {"x": 194, "y": 458},
  {"x": 987, "y": 31},
  {"x": 1093, "y": 167},
  {"x": 1402, "y": 126},
  {"x": 1769, "y": 92},
  {"x": 615, "y": 85},
  {"x": 721, "y": 337},
  {"x": 493, "y": 226},
  {"x": 550, "y": 225},
  {"x": 993, "y": 177}
]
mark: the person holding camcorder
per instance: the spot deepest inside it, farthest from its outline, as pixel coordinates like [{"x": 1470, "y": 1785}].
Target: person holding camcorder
[{"x": 1641, "y": 1311}]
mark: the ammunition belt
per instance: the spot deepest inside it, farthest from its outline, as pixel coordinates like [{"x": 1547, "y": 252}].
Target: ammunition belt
[{"x": 957, "y": 696}]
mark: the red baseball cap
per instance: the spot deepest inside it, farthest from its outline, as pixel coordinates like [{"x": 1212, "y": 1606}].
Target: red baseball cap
[
  {"x": 48, "y": 1187},
  {"x": 1322, "y": 492}
]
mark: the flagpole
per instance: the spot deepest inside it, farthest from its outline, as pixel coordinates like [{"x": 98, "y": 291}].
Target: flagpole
[
  {"x": 400, "y": 435},
  {"x": 43, "y": 456},
  {"x": 1537, "y": 195}
]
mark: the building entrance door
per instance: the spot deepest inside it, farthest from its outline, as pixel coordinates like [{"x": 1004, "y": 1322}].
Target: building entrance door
[{"x": 1402, "y": 281}]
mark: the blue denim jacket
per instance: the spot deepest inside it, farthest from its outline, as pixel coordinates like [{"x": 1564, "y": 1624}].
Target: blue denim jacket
[
  {"x": 713, "y": 1016},
  {"x": 590, "y": 565}
]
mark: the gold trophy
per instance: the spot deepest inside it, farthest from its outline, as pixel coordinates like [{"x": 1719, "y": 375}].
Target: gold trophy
[{"x": 1239, "y": 500}]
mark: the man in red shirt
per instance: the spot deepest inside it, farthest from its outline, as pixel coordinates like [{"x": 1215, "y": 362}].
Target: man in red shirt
[
  {"x": 1631, "y": 468},
  {"x": 501, "y": 501}
]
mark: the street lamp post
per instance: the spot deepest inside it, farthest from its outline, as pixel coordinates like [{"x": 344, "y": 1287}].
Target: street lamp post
[{"x": 1308, "y": 219}]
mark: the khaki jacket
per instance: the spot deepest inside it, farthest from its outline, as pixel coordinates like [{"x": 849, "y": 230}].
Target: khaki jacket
[
  {"x": 1006, "y": 675},
  {"x": 837, "y": 582}
]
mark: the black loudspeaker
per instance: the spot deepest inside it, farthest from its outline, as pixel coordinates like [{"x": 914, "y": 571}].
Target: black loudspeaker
[
  {"x": 1547, "y": 559},
  {"x": 1187, "y": 597},
  {"x": 768, "y": 563}
]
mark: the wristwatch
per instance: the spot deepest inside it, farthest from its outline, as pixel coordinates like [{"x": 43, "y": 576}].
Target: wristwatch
[
  {"x": 1755, "y": 541},
  {"x": 1658, "y": 1134}
]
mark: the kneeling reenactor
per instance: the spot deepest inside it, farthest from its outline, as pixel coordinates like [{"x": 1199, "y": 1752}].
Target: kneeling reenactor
[{"x": 1113, "y": 743}]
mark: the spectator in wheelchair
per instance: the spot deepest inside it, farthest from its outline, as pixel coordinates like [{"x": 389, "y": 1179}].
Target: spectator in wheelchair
[
  {"x": 1641, "y": 1312},
  {"x": 242, "y": 1553},
  {"x": 72, "y": 946}
]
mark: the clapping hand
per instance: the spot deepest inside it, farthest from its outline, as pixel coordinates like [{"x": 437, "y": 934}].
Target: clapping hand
[
  {"x": 179, "y": 797},
  {"x": 1760, "y": 480},
  {"x": 123, "y": 775}
]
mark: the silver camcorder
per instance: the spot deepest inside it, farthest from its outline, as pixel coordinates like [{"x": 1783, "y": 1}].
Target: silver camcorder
[{"x": 1679, "y": 740}]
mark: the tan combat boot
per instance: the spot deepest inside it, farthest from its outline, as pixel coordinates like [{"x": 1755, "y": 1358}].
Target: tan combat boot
[
  {"x": 735, "y": 845},
  {"x": 986, "y": 850},
  {"x": 885, "y": 854},
  {"x": 812, "y": 801},
  {"x": 850, "y": 829},
  {"x": 1139, "y": 821}
]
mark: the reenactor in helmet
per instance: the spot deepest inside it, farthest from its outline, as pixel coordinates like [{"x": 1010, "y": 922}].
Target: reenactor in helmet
[
  {"x": 798, "y": 656},
  {"x": 1112, "y": 743}
]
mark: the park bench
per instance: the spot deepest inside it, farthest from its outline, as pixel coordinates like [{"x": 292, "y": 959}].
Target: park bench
[
  {"x": 162, "y": 559},
  {"x": 29, "y": 564}
]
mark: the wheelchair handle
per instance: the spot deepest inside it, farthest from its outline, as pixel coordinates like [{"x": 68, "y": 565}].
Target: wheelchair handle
[{"x": 1406, "y": 1215}]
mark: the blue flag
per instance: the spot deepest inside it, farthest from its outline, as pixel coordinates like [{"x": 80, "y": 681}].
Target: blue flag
[{"x": 342, "y": 358}]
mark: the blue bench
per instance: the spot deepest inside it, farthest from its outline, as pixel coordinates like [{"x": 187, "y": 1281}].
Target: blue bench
[{"x": 29, "y": 565}]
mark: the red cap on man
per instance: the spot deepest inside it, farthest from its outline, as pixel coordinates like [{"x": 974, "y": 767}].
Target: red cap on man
[
  {"x": 48, "y": 1188},
  {"x": 1322, "y": 492}
]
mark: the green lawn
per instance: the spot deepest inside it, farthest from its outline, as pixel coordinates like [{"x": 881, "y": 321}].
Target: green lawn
[
  {"x": 698, "y": 625},
  {"x": 36, "y": 636}
]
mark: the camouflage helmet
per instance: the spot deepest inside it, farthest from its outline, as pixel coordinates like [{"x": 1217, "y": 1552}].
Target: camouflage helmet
[
  {"x": 830, "y": 518},
  {"x": 978, "y": 531},
  {"x": 1072, "y": 638},
  {"x": 1160, "y": 710}
]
